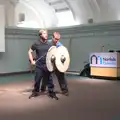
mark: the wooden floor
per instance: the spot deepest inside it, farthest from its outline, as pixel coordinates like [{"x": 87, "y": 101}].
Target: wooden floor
[{"x": 88, "y": 100}]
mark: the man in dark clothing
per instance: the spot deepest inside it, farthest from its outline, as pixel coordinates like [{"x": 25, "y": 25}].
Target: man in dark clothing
[
  {"x": 60, "y": 76},
  {"x": 41, "y": 48}
]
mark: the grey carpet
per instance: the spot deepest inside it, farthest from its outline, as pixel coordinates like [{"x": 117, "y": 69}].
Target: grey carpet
[{"x": 88, "y": 100}]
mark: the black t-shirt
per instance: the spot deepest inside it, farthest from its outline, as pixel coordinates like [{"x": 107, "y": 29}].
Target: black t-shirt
[{"x": 41, "y": 50}]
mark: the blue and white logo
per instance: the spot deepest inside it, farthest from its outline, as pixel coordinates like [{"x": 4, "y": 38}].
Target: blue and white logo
[{"x": 103, "y": 60}]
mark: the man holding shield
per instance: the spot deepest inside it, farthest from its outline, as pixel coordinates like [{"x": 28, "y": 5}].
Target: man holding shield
[
  {"x": 60, "y": 75},
  {"x": 41, "y": 48}
]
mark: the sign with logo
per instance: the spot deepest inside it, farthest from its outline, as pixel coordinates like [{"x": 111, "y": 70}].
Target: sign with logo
[{"x": 103, "y": 59}]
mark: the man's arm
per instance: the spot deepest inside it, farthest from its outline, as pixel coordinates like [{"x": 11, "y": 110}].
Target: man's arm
[{"x": 30, "y": 55}]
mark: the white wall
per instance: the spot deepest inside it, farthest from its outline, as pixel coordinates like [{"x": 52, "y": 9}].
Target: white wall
[
  {"x": 99, "y": 10},
  {"x": 2, "y": 29},
  {"x": 80, "y": 41},
  {"x": 109, "y": 10},
  {"x": 37, "y": 14},
  {"x": 32, "y": 18},
  {"x": 66, "y": 19},
  {"x": 9, "y": 12}
]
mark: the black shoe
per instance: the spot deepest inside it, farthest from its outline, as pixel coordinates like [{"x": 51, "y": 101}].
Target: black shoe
[
  {"x": 34, "y": 94},
  {"x": 65, "y": 92},
  {"x": 52, "y": 95}
]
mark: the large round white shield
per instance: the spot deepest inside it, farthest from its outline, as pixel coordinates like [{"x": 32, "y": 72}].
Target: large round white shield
[{"x": 62, "y": 60}]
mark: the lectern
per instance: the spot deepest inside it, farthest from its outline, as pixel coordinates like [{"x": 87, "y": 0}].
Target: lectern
[{"x": 105, "y": 64}]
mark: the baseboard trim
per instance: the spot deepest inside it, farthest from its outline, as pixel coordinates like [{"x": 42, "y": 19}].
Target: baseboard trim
[
  {"x": 72, "y": 73},
  {"x": 25, "y": 72},
  {"x": 14, "y": 73},
  {"x": 106, "y": 78}
]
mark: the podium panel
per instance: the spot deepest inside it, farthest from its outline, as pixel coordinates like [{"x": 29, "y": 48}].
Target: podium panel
[{"x": 105, "y": 64}]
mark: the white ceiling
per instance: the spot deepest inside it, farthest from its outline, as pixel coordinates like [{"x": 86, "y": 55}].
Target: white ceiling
[
  {"x": 98, "y": 10},
  {"x": 82, "y": 10},
  {"x": 58, "y": 5}
]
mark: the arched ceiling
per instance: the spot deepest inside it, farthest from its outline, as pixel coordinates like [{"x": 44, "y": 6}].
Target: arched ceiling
[
  {"x": 43, "y": 13},
  {"x": 82, "y": 10},
  {"x": 98, "y": 10}
]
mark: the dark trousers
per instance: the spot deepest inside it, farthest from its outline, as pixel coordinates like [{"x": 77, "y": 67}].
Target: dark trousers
[
  {"x": 61, "y": 79},
  {"x": 41, "y": 72},
  {"x": 46, "y": 82}
]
